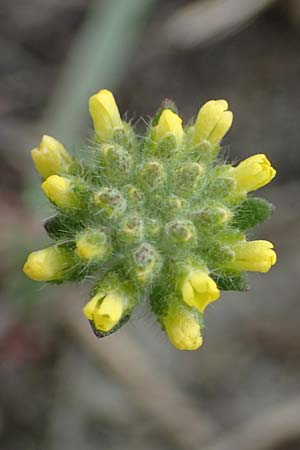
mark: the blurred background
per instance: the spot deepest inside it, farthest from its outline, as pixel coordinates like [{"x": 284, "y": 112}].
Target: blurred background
[{"x": 60, "y": 387}]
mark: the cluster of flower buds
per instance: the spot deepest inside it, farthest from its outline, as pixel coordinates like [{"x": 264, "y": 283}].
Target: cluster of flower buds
[{"x": 159, "y": 217}]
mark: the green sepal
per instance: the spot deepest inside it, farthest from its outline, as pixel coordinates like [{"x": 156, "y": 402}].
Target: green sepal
[
  {"x": 62, "y": 226},
  {"x": 230, "y": 280},
  {"x": 78, "y": 273},
  {"x": 252, "y": 212},
  {"x": 82, "y": 192},
  {"x": 159, "y": 302},
  {"x": 166, "y": 147},
  {"x": 101, "y": 334},
  {"x": 206, "y": 152}
]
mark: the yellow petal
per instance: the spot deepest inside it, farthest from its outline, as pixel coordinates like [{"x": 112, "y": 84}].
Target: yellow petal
[
  {"x": 169, "y": 124},
  {"x": 198, "y": 290},
  {"x": 92, "y": 305},
  {"x": 109, "y": 312},
  {"x": 105, "y": 113},
  {"x": 47, "y": 264},
  {"x": 105, "y": 310},
  {"x": 221, "y": 128},
  {"x": 51, "y": 157},
  {"x": 182, "y": 328},
  {"x": 58, "y": 190},
  {"x": 257, "y": 256},
  {"x": 213, "y": 122},
  {"x": 187, "y": 291},
  {"x": 253, "y": 173}
]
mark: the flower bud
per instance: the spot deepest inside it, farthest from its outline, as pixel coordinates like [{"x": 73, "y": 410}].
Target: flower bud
[
  {"x": 146, "y": 263},
  {"x": 214, "y": 215},
  {"x": 93, "y": 245},
  {"x": 180, "y": 231},
  {"x": 105, "y": 309},
  {"x": 60, "y": 191},
  {"x": 169, "y": 124},
  {"x": 182, "y": 326},
  {"x": 105, "y": 114},
  {"x": 61, "y": 226},
  {"x": 131, "y": 229},
  {"x": 111, "y": 201},
  {"x": 135, "y": 196},
  {"x": 213, "y": 122},
  {"x": 253, "y": 173},
  {"x": 251, "y": 212},
  {"x": 51, "y": 157},
  {"x": 189, "y": 175},
  {"x": 175, "y": 203},
  {"x": 152, "y": 174},
  {"x": 256, "y": 256},
  {"x": 223, "y": 186},
  {"x": 49, "y": 264},
  {"x": 198, "y": 289},
  {"x": 115, "y": 161}
]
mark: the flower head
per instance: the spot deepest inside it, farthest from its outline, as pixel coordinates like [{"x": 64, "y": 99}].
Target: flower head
[
  {"x": 59, "y": 191},
  {"x": 169, "y": 124},
  {"x": 213, "y": 122},
  {"x": 157, "y": 217},
  {"x": 257, "y": 256},
  {"x": 48, "y": 264},
  {"x": 253, "y": 173},
  {"x": 105, "y": 114},
  {"x": 198, "y": 289},
  {"x": 51, "y": 157},
  {"x": 183, "y": 327}
]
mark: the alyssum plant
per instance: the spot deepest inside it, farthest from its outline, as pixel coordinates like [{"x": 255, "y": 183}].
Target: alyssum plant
[{"x": 157, "y": 218}]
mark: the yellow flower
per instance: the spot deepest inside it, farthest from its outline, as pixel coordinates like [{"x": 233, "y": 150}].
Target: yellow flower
[
  {"x": 182, "y": 327},
  {"x": 253, "y": 173},
  {"x": 58, "y": 190},
  {"x": 198, "y": 289},
  {"x": 105, "y": 113},
  {"x": 257, "y": 256},
  {"x": 51, "y": 157},
  {"x": 169, "y": 124},
  {"x": 92, "y": 245},
  {"x": 213, "y": 122},
  {"x": 48, "y": 264},
  {"x": 105, "y": 310}
]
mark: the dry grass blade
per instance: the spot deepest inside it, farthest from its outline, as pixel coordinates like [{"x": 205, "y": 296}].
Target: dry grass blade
[{"x": 202, "y": 21}]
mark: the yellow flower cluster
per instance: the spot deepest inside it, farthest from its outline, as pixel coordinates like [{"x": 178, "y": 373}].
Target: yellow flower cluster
[{"x": 195, "y": 288}]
